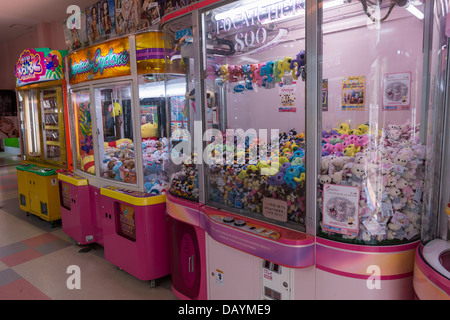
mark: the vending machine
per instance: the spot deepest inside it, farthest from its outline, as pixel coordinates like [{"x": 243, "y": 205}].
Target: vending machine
[
  {"x": 43, "y": 126},
  {"x": 120, "y": 134},
  {"x": 184, "y": 199}
]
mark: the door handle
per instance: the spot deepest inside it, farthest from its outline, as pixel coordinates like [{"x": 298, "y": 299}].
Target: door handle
[{"x": 191, "y": 264}]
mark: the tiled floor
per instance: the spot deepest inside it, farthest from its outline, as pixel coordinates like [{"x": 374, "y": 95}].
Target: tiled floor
[{"x": 34, "y": 259}]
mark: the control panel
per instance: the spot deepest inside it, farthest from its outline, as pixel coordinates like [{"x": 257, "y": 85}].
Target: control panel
[{"x": 246, "y": 226}]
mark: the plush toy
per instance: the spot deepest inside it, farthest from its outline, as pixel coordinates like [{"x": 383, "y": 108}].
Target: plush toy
[
  {"x": 276, "y": 71},
  {"x": 247, "y": 72},
  {"x": 257, "y": 78},
  {"x": 235, "y": 73},
  {"x": 116, "y": 143},
  {"x": 284, "y": 65},
  {"x": 115, "y": 109},
  {"x": 293, "y": 176},
  {"x": 277, "y": 179},
  {"x": 88, "y": 164},
  {"x": 149, "y": 130},
  {"x": 267, "y": 70},
  {"x": 224, "y": 73},
  {"x": 344, "y": 128},
  {"x": 297, "y": 64},
  {"x": 351, "y": 150}
]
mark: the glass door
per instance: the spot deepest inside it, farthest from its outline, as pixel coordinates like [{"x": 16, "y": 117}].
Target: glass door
[
  {"x": 53, "y": 124},
  {"x": 115, "y": 132},
  {"x": 32, "y": 134},
  {"x": 254, "y": 93},
  {"x": 372, "y": 166},
  {"x": 184, "y": 113},
  {"x": 81, "y": 111}
]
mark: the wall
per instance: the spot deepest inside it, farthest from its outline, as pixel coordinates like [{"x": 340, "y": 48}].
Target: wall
[
  {"x": 349, "y": 49},
  {"x": 45, "y": 35}
]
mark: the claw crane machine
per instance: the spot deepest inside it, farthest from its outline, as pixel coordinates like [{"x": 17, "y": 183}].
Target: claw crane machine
[
  {"x": 432, "y": 261},
  {"x": 117, "y": 104},
  {"x": 187, "y": 237},
  {"x": 44, "y": 137},
  {"x": 260, "y": 242},
  {"x": 376, "y": 133}
]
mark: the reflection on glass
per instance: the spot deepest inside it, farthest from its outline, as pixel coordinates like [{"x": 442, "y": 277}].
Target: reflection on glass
[
  {"x": 183, "y": 113},
  {"x": 372, "y": 175},
  {"x": 116, "y": 147},
  {"x": 83, "y": 131},
  {"x": 255, "y": 111},
  {"x": 154, "y": 133},
  {"x": 32, "y": 129}
]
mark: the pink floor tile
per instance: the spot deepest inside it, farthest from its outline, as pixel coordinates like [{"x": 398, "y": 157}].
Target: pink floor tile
[
  {"x": 39, "y": 240},
  {"x": 21, "y": 289},
  {"x": 20, "y": 257}
]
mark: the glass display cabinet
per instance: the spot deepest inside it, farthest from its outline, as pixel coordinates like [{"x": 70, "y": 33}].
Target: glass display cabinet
[
  {"x": 254, "y": 103},
  {"x": 44, "y": 138},
  {"x": 372, "y": 168}
]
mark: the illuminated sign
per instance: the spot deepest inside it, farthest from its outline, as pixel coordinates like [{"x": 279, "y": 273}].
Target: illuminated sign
[
  {"x": 36, "y": 65},
  {"x": 110, "y": 59},
  {"x": 256, "y": 14}
]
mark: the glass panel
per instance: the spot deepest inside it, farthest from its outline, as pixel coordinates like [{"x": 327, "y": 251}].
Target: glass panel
[
  {"x": 114, "y": 120},
  {"x": 32, "y": 129},
  {"x": 154, "y": 133},
  {"x": 183, "y": 113},
  {"x": 436, "y": 222},
  {"x": 83, "y": 130},
  {"x": 51, "y": 117},
  {"x": 255, "y": 110},
  {"x": 372, "y": 174},
  {"x": 21, "y": 114}
]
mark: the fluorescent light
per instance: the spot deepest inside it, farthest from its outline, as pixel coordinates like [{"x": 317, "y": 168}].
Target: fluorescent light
[
  {"x": 253, "y": 9},
  {"x": 413, "y": 10}
]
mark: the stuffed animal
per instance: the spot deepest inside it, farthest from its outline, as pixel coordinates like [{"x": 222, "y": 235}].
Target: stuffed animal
[
  {"x": 257, "y": 78},
  {"x": 116, "y": 143},
  {"x": 235, "y": 73},
  {"x": 293, "y": 175},
  {"x": 88, "y": 164},
  {"x": 149, "y": 130},
  {"x": 284, "y": 65},
  {"x": 224, "y": 73},
  {"x": 115, "y": 109},
  {"x": 297, "y": 64},
  {"x": 344, "y": 128},
  {"x": 267, "y": 70}
]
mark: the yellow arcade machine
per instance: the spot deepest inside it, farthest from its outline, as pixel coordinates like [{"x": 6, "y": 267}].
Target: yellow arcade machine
[{"x": 43, "y": 131}]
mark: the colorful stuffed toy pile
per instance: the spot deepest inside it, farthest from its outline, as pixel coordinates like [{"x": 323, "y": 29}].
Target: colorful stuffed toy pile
[{"x": 388, "y": 168}]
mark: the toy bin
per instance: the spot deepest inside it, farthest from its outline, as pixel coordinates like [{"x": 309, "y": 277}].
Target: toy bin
[
  {"x": 24, "y": 200},
  {"x": 135, "y": 232},
  {"x": 78, "y": 210}
]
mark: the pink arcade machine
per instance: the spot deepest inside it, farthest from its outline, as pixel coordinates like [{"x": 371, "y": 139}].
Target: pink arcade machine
[
  {"x": 259, "y": 236},
  {"x": 263, "y": 122},
  {"x": 184, "y": 201},
  {"x": 116, "y": 194},
  {"x": 373, "y": 188}
]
